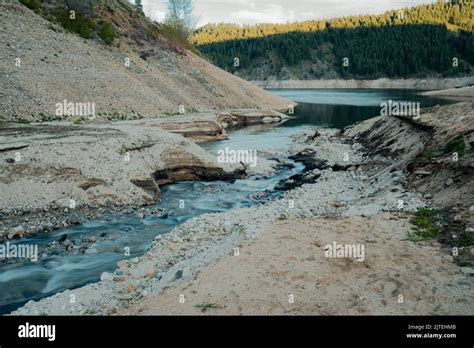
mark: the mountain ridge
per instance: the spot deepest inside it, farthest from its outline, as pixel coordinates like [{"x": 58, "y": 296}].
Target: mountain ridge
[{"x": 424, "y": 41}]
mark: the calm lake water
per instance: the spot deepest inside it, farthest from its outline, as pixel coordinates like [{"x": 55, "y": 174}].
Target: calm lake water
[
  {"x": 338, "y": 108},
  {"x": 21, "y": 281}
]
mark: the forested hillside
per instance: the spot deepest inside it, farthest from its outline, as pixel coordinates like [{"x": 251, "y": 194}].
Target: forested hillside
[{"x": 427, "y": 40}]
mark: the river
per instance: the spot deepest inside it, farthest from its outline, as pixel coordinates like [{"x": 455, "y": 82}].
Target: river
[{"x": 23, "y": 280}]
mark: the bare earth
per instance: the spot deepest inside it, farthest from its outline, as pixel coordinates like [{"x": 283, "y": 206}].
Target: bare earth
[{"x": 289, "y": 259}]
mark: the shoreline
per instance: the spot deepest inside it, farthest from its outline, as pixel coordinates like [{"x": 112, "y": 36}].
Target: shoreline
[
  {"x": 372, "y": 183},
  {"x": 385, "y": 83}
]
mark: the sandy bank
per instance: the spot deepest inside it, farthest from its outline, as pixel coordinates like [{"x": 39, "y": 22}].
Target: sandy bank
[
  {"x": 465, "y": 92},
  {"x": 288, "y": 259}
]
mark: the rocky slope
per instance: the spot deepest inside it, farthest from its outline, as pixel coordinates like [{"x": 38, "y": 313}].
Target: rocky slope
[{"x": 56, "y": 65}]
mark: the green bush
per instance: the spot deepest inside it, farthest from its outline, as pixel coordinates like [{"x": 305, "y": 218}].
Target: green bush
[
  {"x": 32, "y": 4},
  {"x": 107, "y": 33},
  {"x": 425, "y": 222},
  {"x": 81, "y": 25},
  {"x": 456, "y": 145}
]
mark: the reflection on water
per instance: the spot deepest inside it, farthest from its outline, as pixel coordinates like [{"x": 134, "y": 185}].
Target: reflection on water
[
  {"x": 332, "y": 116},
  {"x": 339, "y": 108}
]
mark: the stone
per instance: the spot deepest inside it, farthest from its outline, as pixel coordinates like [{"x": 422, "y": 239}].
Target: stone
[
  {"x": 449, "y": 182},
  {"x": 18, "y": 231},
  {"x": 422, "y": 172},
  {"x": 106, "y": 276},
  {"x": 89, "y": 239},
  {"x": 178, "y": 274}
]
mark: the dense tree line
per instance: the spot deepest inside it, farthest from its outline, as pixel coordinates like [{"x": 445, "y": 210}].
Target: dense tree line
[{"x": 425, "y": 39}]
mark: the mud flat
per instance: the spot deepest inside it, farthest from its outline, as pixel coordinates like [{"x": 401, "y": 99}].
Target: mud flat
[{"x": 360, "y": 186}]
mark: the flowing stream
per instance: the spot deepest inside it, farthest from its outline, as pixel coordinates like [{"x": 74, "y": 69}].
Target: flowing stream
[{"x": 23, "y": 280}]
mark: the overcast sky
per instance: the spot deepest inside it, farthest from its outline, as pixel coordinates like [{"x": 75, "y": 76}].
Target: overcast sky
[{"x": 278, "y": 11}]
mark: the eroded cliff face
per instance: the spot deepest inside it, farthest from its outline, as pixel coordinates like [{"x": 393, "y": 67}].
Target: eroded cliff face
[{"x": 437, "y": 150}]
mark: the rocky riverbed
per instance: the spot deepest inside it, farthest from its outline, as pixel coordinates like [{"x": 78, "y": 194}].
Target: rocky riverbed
[
  {"x": 57, "y": 174},
  {"x": 361, "y": 173}
]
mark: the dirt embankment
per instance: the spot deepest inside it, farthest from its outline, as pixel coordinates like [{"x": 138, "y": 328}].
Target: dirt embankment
[
  {"x": 360, "y": 188},
  {"x": 55, "y": 66},
  {"x": 428, "y": 83}
]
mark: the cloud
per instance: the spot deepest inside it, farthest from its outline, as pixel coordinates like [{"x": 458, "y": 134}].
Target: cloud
[{"x": 278, "y": 11}]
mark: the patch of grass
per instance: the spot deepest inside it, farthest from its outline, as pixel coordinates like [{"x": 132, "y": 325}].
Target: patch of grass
[
  {"x": 467, "y": 239},
  {"x": 207, "y": 306},
  {"x": 32, "y": 4},
  {"x": 426, "y": 227},
  {"x": 107, "y": 33},
  {"x": 117, "y": 116},
  {"x": 80, "y": 120},
  {"x": 169, "y": 114},
  {"x": 22, "y": 121},
  {"x": 44, "y": 117},
  {"x": 456, "y": 145},
  {"x": 427, "y": 155}
]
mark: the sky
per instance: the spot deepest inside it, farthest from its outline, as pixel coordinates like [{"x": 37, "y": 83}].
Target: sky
[{"x": 278, "y": 11}]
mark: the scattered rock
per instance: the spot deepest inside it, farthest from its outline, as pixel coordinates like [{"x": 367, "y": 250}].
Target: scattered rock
[
  {"x": 89, "y": 239},
  {"x": 106, "y": 276},
  {"x": 179, "y": 274},
  {"x": 449, "y": 182},
  {"x": 422, "y": 172},
  {"x": 17, "y": 232}
]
